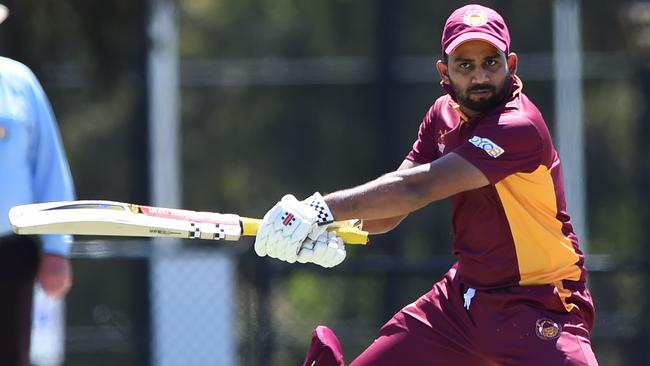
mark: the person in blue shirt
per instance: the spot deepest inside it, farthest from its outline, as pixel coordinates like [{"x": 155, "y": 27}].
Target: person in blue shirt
[{"x": 33, "y": 168}]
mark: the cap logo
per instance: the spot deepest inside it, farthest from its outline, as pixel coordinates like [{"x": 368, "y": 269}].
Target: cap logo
[{"x": 475, "y": 17}]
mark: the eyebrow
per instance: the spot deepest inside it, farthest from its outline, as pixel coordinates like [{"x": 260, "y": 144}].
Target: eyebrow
[{"x": 461, "y": 59}]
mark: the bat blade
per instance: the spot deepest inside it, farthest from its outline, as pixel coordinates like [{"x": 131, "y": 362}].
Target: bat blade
[
  {"x": 97, "y": 217},
  {"x": 111, "y": 218}
]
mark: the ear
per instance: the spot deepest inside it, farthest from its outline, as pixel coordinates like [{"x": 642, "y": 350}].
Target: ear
[
  {"x": 512, "y": 61},
  {"x": 443, "y": 70}
]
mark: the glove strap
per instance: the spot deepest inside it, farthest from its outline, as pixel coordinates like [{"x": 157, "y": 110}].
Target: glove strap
[{"x": 323, "y": 213}]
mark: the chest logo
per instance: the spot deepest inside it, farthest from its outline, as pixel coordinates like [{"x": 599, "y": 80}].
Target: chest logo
[
  {"x": 487, "y": 145},
  {"x": 441, "y": 141}
]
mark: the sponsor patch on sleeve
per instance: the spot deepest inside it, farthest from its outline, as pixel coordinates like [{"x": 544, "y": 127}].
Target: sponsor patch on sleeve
[{"x": 487, "y": 145}]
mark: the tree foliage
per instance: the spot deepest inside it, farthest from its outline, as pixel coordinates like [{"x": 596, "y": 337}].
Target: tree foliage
[{"x": 246, "y": 144}]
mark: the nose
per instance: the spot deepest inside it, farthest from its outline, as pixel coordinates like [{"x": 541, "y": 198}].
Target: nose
[{"x": 480, "y": 76}]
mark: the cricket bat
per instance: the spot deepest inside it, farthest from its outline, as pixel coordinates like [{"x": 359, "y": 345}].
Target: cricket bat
[{"x": 111, "y": 218}]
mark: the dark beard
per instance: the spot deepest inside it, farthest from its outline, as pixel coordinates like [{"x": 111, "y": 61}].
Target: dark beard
[{"x": 483, "y": 105}]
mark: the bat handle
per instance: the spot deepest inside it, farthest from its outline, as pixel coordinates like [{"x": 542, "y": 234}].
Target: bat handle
[{"x": 350, "y": 235}]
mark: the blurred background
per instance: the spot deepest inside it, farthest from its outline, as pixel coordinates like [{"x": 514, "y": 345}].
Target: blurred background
[{"x": 226, "y": 105}]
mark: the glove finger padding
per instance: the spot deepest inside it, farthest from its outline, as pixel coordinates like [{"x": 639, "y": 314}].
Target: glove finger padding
[
  {"x": 288, "y": 252},
  {"x": 262, "y": 239},
  {"x": 327, "y": 251},
  {"x": 337, "y": 248},
  {"x": 267, "y": 232},
  {"x": 306, "y": 251},
  {"x": 274, "y": 247}
]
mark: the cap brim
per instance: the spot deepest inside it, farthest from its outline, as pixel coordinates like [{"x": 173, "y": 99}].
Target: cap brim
[
  {"x": 4, "y": 12},
  {"x": 476, "y": 36}
]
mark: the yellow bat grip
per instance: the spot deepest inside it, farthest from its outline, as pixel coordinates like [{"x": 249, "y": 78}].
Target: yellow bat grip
[{"x": 350, "y": 235}]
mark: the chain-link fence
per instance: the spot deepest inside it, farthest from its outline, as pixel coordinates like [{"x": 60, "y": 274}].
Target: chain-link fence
[{"x": 212, "y": 306}]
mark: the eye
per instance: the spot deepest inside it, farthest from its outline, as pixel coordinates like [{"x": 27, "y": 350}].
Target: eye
[
  {"x": 491, "y": 62},
  {"x": 464, "y": 65}
]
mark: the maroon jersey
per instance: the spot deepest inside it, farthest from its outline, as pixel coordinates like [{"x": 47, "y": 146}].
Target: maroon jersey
[{"x": 516, "y": 230}]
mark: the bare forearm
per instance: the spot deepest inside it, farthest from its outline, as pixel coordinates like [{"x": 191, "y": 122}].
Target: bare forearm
[
  {"x": 381, "y": 226},
  {"x": 393, "y": 195},
  {"x": 407, "y": 189}
]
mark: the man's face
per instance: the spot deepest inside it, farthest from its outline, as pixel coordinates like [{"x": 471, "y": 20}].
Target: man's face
[{"x": 478, "y": 74}]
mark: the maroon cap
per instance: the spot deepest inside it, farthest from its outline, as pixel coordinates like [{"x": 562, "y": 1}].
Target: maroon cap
[{"x": 475, "y": 22}]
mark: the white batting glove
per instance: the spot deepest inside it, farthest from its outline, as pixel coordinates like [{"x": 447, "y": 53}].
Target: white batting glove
[
  {"x": 328, "y": 250},
  {"x": 288, "y": 224}
]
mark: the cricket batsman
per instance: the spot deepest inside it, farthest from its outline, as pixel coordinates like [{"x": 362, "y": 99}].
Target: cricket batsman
[{"x": 516, "y": 295}]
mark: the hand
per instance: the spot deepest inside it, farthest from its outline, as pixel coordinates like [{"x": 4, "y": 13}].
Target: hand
[
  {"x": 54, "y": 275},
  {"x": 328, "y": 250},
  {"x": 288, "y": 224}
]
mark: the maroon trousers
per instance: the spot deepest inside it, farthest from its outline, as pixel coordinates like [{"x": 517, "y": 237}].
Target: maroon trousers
[
  {"x": 516, "y": 326},
  {"x": 19, "y": 258}
]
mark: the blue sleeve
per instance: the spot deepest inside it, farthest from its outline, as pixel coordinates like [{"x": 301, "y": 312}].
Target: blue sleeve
[{"x": 52, "y": 180}]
